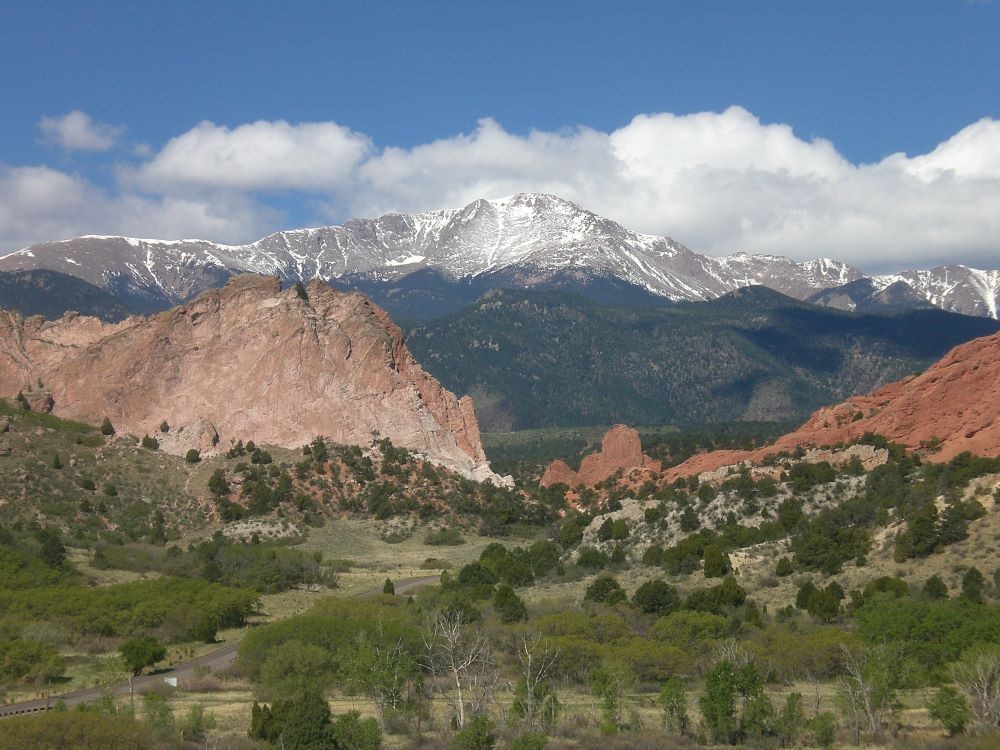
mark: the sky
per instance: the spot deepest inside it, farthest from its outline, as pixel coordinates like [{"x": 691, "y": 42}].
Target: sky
[{"x": 865, "y": 131}]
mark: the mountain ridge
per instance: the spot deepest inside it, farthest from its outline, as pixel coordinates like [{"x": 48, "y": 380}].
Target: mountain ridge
[
  {"x": 523, "y": 240},
  {"x": 543, "y": 359}
]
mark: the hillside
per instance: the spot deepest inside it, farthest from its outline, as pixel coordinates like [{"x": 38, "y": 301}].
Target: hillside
[
  {"x": 51, "y": 294},
  {"x": 951, "y": 408},
  {"x": 533, "y": 359}
]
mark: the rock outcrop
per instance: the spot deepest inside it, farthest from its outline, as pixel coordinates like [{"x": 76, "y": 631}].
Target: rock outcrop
[
  {"x": 247, "y": 361},
  {"x": 952, "y": 407},
  {"x": 621, "y": 450}
]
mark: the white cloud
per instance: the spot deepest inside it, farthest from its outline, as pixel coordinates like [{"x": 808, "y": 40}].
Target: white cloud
[
  {"x": 258, "y": 156},
  {"x": 39, "y": 204},
  {"x": 721, "y": 182},
  {"x": 718, "y": 182},
  {"x": 79, "y": 131}
]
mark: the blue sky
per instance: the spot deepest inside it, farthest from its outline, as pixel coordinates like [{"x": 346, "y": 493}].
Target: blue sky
[{"x": 803, "y": 128}]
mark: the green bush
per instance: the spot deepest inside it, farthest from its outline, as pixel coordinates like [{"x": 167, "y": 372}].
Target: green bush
[
  {"x": 950, "y": 709},
  {"x": 509, "y": 605},
  {"x": 447, "y": 537},
  {"x": 605, "y": 589},
  {"x": 107, "y": 428},
  {"x": 193, "y": 456},
  {"x": 656, "y": 597},
  {"x": 479, "y": 733}
]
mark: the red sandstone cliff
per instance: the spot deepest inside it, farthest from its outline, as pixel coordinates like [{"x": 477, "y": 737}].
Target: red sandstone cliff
[
  {"x": 248, "y": 361},
  {"x": 621, "y": 450},
  {"x": 953, "y": 407}
]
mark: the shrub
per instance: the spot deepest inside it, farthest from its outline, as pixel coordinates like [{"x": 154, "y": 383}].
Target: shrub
[
  {"x": 448, "y": 537},
  {"x": 479, "y": 733},
  {"x": 150, "y": 443},
  {"x": 193, "y": 456},
  {"x": 716, "y": 561},
  {"x": 589, "y": 557},
  {"x": 196, "y": 724},
  {"x": 656, "y": 597},
  {"x": 783, "y": 568},
  {"x": 935, "y": 588},
  {"x": 823, "y": 728},
  {"x": 605, "y": 589},
  {"x": 509, "y": 605},
  {"x": 972, "y": 585},
  {"x": 949, "y": 708},
  {"x": 351, "y": 731},
  {"x": 389, "y": 587},
  {"x": 164, "y": 427},
  {"x": 107, "y": 428},
  {"x": 530, "y": 742}
]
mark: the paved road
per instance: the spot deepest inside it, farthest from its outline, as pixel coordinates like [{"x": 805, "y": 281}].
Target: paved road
[{"x": 215, "y": 661}]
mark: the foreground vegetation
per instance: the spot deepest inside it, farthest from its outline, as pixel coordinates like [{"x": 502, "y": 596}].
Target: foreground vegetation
[{"x": 805, "y": 603}]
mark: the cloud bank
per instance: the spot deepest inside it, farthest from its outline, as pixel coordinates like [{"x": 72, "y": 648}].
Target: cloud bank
[{"x": 717, "y": 181}]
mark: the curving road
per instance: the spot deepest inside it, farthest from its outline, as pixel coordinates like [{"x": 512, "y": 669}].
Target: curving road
[{"x": 215, "y": 661}]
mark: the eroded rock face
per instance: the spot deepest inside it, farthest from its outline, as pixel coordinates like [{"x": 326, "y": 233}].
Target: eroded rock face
[
  {"x": 621, "y": 450},
  {"x": 952, "y": 407},
  {"x": 247, "y": 361}
]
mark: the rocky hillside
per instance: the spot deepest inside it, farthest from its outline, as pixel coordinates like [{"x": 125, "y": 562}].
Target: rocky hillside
[
  {"x": 534, "y": 359},
  {"x": 952, "y": 407},
  {"x": 282, "y": 365}
]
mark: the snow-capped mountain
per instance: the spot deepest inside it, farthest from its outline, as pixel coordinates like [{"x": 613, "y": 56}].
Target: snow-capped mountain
[{"x": 524, "y": 240}]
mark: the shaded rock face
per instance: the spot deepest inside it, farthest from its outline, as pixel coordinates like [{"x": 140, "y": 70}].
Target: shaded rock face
[
  {"x": 247, "y": 361},
  {"x": 952, "y": 407},
  {"x": 621, "y": 450}
]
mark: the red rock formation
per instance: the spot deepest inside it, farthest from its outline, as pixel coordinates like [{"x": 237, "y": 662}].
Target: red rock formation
[
  {"x": 952, "y": 407},
  {"x": 248, "y": 361},
  {"x": 621, "y": 450}
]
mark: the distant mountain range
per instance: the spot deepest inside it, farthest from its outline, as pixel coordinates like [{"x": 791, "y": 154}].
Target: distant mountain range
[
  {"x": 534, "y": 358},
  {"x": 425, "y": 265}
]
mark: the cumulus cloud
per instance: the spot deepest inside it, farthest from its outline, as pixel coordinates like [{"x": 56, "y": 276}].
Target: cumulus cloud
[
  {"x": 722, "y": 182},
  {"x": 717, "y": 181},
  {"x": 79, "y": 131},
  {"x": 258, "y": 156},
  {"x": 40, "y": 203}
]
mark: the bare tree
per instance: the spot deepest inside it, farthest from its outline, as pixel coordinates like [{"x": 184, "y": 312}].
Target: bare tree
[
  {"x": 868, "y": 690},
  {"x": 978, "y": 673},
  {"x": 535, "y": 701},
  {"x": 460, "y": 661}
]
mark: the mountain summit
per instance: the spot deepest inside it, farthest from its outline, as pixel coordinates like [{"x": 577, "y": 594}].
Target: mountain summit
[{"x": 525, "y": 240}]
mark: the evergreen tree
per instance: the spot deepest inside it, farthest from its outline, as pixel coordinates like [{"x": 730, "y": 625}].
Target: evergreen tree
[
  {"x": 509, "y": 605},
  {"x": 935, "y": 588},
  {"x": 972, "y": 585}
]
